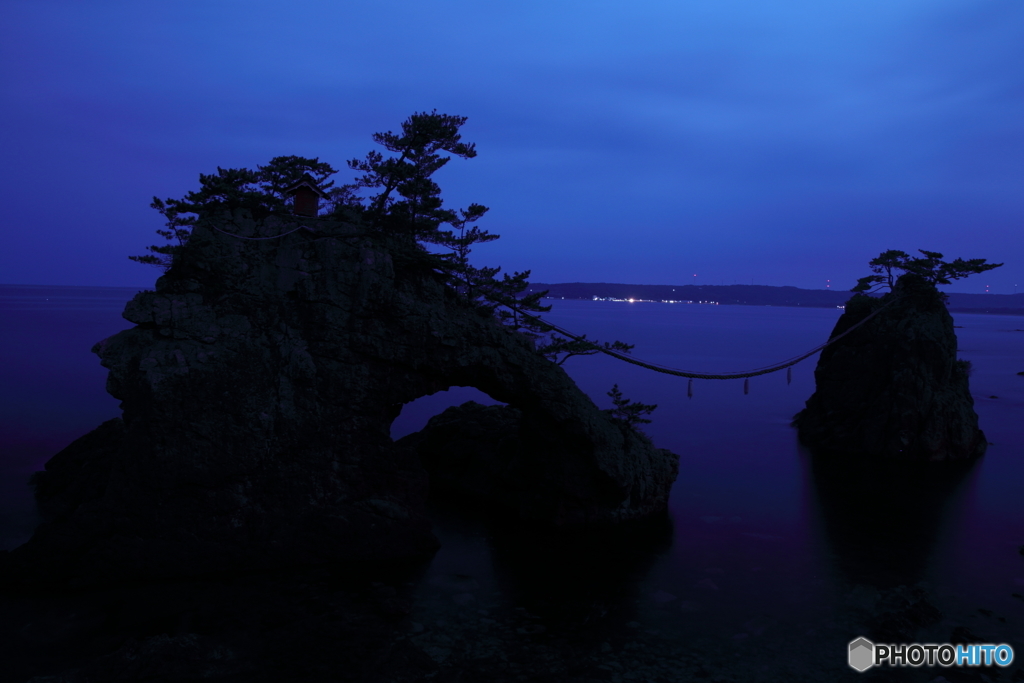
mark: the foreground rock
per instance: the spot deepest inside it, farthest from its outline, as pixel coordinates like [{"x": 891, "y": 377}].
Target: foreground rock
[
  {"x": 894, "y": 388},
  {"x": 301, "y": 626},
  {"x": 258, "y": 388}
]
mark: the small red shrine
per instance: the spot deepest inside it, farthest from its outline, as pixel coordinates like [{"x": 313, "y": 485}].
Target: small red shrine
[{"x": 305, "y": 197}]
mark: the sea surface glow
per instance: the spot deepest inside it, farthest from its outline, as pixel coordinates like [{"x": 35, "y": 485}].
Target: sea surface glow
[{"x": 760, "y": 549}]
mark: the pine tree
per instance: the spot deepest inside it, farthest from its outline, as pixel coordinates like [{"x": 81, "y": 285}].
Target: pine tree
[
  {"x": 464, "y": 277},
  {"x": 285, "y": 171},
  {"x": 261, "y": 192},
  {"x": 932, "y": 268},
  {"x": 404, "y": 200},
  {"x": 628, "y": 412},
  {"x": 408, "y": 201},
  {"x": 559, "y": 345},
  {"x": 417, "y": 210},
  {"x": 507, "y": 294}
]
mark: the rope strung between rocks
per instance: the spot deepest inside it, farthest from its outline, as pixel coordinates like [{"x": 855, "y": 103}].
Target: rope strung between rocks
[
  {"x": 633, "y": 361},
  {"x": 700, "y": 375},
  {"x": 272, "y": 237}
]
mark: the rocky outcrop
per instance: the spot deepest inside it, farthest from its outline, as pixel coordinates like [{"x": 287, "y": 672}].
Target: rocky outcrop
[
  {"x": 524, "y": 465},
  {"x": 894, "y": 388},
  {"x": 258, "y": 388}
]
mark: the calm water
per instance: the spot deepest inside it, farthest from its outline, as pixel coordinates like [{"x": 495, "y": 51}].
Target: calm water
[{"x": 761, "y": 549}]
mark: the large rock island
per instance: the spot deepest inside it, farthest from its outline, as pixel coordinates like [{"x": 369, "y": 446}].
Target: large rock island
[
  {"x": 258, "y": 388},
  {"x": 893, "y": 389}
]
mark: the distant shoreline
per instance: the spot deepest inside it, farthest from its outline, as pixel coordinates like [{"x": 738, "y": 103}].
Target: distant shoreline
[
  {"x": 741, "y": 295},
  {"x": 759, "y": 295}
]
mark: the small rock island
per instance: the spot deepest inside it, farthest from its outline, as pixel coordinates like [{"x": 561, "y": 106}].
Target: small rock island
[{"x": 893, "y": 389}]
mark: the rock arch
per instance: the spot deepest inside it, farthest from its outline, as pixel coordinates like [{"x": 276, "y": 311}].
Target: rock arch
[{"x": 258, "y": 387}]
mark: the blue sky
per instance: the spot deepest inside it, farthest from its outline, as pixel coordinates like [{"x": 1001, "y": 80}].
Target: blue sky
[{"x": 780, "y": 143}]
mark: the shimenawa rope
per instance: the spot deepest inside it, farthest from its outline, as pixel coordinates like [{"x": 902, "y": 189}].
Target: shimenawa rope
[
  {"x": 700, "y": 375},
  {"x": 653, "y": 366}
]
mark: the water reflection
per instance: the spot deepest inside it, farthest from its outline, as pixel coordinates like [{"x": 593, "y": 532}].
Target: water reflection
[
  {"x": 881, "y": 520},
  {"x": 566, "y": 579}
]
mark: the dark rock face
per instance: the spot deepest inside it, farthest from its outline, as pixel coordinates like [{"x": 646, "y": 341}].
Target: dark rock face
[
  {"x": 894, "y": 388},
  {"x": 525, "y": 465},
  {"x": 258, "y": 388}
]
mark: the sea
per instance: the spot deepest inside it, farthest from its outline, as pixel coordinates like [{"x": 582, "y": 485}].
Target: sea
[{"x": 763, "y": 550}]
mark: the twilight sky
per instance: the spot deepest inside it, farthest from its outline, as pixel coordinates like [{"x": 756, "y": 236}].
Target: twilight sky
[{"x": 779, "y": 143}]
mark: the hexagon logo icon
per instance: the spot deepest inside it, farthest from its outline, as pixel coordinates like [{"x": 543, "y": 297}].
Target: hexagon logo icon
[{"x": 862, "y": 654}]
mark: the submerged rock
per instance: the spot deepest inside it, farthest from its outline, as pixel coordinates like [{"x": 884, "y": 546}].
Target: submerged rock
[
  {"x": 894, "y": 388},
  {"x": 258, "y": 388}
]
